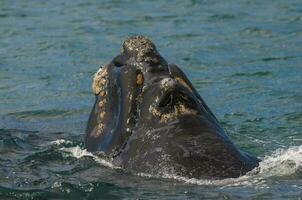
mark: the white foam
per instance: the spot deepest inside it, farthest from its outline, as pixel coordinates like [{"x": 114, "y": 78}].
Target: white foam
[
  {"x": 60, "y": 141},
  {"x": 78, "y": 153},
  {"x": 243, "y": 180},
  {"x": 282, "y": 162}
]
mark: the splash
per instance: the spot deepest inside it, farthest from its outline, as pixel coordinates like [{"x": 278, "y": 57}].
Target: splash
[
  {"x": 281, "y": 163},
  {"x": 78, "y": 152},
  {"x": 61, "y": 142}
]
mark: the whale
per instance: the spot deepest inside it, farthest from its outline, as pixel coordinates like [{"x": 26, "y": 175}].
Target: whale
[{"x": 148, "y": 118}]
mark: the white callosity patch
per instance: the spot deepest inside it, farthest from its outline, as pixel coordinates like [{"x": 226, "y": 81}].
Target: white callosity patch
[
  {"x": 141, "y": 45},
  {"x": 178, "y": 109},
  {"x": 139, "y": 79},
  {"x": 167, "y": 83},
  {"x": 99, "y": 87},
  {"x": 100, "y": 80}
]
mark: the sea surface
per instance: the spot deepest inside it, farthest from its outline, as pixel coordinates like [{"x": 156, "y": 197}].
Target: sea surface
[{"x": 243, "y": 56}]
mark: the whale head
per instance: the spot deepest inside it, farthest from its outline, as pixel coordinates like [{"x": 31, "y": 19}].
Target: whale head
[{"x": 148, "y": 117}]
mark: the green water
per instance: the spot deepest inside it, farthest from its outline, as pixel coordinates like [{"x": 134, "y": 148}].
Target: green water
[{"x": 243, "y": 57}]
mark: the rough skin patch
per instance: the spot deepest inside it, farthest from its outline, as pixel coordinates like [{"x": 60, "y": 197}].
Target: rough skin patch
[
  {"x": 99, "y": 80},
  {"x": 99, "y": 88},
  {"x": 141, "y": 45},
  {"x": 101, "y": 125},
  {"x": 102, "y": 104},
  {"x": 179, "y": 109},
  {"x": 102, "y": 115},
  {"x": 139, "y": 79},
  {"x": 99, "y": 131},
  {"x": 103, "y": 93},
  {"x": 167, "y": 83}
]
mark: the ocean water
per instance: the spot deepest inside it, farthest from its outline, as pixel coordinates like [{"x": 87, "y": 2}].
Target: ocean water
[{"x": 243, "y": 56}]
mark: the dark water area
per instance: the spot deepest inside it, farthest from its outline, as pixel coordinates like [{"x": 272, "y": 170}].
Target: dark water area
[{"x": 243, "y": 57}]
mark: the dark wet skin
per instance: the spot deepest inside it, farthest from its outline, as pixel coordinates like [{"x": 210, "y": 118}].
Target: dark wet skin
[{"x": 148, "y": 118}]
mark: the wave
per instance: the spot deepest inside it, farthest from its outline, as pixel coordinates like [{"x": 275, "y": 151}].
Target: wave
[{"x": 282, "y": 162}]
